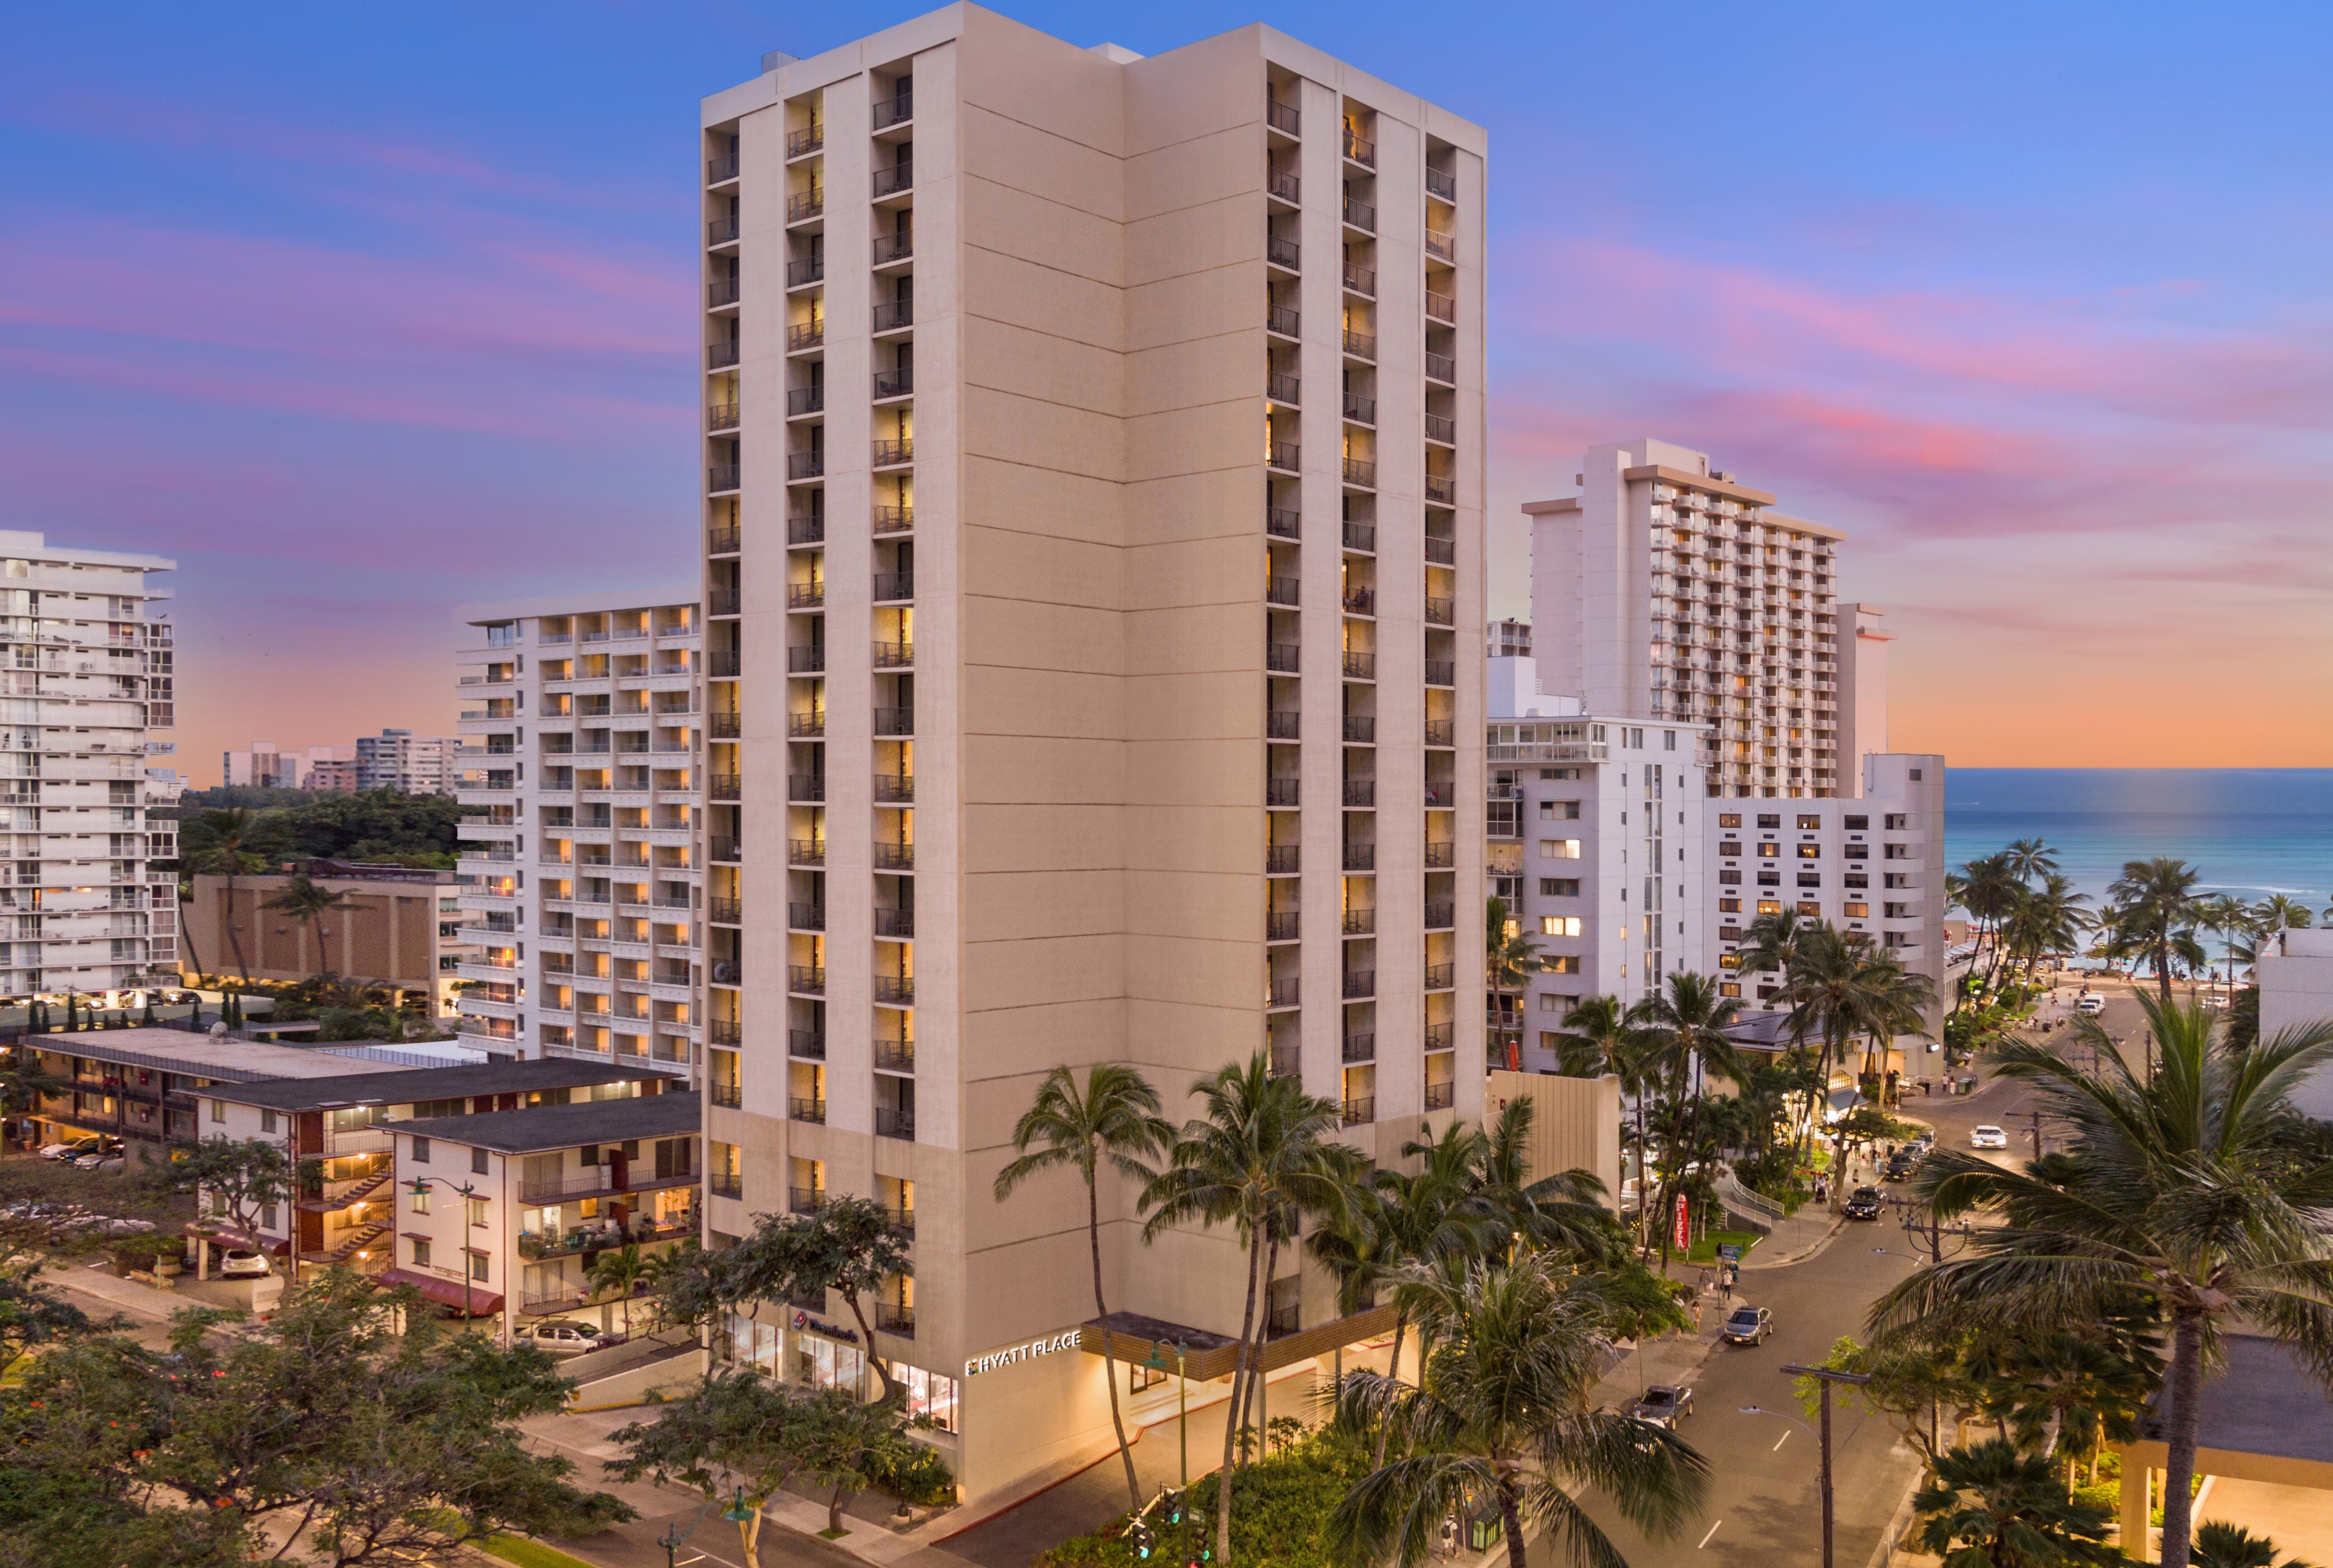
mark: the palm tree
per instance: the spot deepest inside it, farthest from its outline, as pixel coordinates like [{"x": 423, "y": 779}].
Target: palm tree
[
  {"x": 1509, "y": 959},
  {"x": 1500, "y": 1415},
  {"x": 620, "y": 1270},
  {"x": 1991, "y": 1506},
  {"x": 1989, "y": 890},
  {"x": 2224, "y": 1546},
  {"x": 1685, "y": 1028},
  {"x": 235, "y": 838},
  {"x": 2281, "y": 912},
  {"x": 1598, "y": 1038},
  {"x": 1828, "y": 991},
  {"x": 2230, "y": 918},
  {"x": 2047, "y": 920},
  {"x": 1562, "y": 1211},
  {"x": 2030, "y": 858},
  {"x": 1770, "y": 942},
  {"x": 2185, "y": 1189},
  {"x": 308, "y": 904},
  {"x": 1113, "y": 1119},
  {"x": 1895, "y": 1001},
  {"x": 1261, "y": 1154},
  {"x": 2159, "y": 899}
]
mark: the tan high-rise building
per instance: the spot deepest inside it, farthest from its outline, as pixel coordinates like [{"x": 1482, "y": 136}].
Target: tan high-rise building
[
  {"x": 1094, "y": 573},
  {"x": 1668, "y": 589}
]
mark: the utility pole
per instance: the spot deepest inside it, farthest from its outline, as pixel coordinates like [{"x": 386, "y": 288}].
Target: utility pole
[
  {"x": 2037, "y": 1134},
  {"x": 1826, "y": 1376}
]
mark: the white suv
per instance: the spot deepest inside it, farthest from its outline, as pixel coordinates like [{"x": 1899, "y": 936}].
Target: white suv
[{"x": 1988, "y": 1137}]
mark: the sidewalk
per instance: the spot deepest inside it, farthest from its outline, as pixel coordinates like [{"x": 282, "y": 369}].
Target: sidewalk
[{"x": 1796, "y": 1239}]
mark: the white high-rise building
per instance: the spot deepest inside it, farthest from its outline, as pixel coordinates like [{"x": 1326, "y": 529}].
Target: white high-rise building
[
  {"x": 579, "y": 738},
  {"x": 90, "y": 682},
  {"x": 411, "y": 764},
  {"x": 1669, "y": 590},
  {"x": 1094, "y": 575}
]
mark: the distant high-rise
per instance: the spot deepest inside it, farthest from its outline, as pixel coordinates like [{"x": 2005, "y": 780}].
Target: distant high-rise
[
  {"x": 579, "y": 725},
  {"x": 411, "y": 764},
  {"x": 89, "y": 683},
  {"x": 1669, "y": 590},
  {"x": 1094, "y": 578}
]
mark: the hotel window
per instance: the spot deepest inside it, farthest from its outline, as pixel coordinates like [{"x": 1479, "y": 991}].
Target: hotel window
[
  {"x": 935, "y": 1394},
  {"x": 1729, "y": 819},
  {"x": 1769, "y": 820},
  {"x": 1558, "y": 925},
  {"x": 478, "y": 1212},
  {"x": 218, "y": 1111},
  {"x": 479, "y": 1161},
  {"x": 1729, "y": 988},
  {"x": 478, "y": 1267},
  {"x": 1559, "y": 848},
  {"x": 1810, "y": 823},
  {"x": 1858, "y": 911},
  {"x": 1568, "y": 810},
  {"x": 1770, "y": 852},
  {"x": 1896, "y": 822},
  {"x": 267, "y": 1122},
  {"x": 1810, "y": 851},
  {"x": 1769, "y": 906},
  {"x": 1563, "y": 964},
  {"x": 421, "y": 1252},
  {"x": 1856, "y": 824},
  {"x": 1729, "y": 906},
  {"x": 1558, "y": 887},
  {"x": 1729, "y": 960}
]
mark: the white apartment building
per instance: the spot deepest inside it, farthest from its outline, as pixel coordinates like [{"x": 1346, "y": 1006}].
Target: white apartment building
[
  {"x": 1873, "y": 864},
  {"x": 1595, "y": 830},
  {"x": 263, "y": 764},
  {"x": 1668, "y": 589},
  {"x": 89, "y": 680},
  {"x": 580, "y": 737},
  {"x": 1094, "y": 568},
  {"x": 2294, "y": 972},
  {"x": 411, "y": 764}
]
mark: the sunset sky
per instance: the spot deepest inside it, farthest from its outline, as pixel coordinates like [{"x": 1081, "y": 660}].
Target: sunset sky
[{"x": 365, "y": 312}]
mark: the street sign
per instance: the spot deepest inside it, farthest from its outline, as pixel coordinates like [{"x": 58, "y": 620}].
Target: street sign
[
  {"x": 1683, "y": 1228},
  {"x": 1728, "y": 1251}
]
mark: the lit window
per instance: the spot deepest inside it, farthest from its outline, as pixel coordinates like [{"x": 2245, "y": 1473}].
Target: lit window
[
  {"x": 1558, "y": 925},
  {"x": 1559, "y": 848}
]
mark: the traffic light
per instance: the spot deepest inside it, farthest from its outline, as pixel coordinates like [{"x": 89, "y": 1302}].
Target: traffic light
[
  {"x": 1171, "y": 1505},
  {"x": 1142, "y": 1539}
]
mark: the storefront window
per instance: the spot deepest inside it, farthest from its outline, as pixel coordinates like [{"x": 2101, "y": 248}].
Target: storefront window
[
  {"x": 928, "y": 1393},
  {"x": 825, "y": 1363},
  {"x": 753, "y": 1344}
]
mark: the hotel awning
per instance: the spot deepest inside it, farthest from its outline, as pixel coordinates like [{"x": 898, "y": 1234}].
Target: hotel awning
[
  {"x": 1208, "y": 1355},
  {"x": 444, "y": 1292}
]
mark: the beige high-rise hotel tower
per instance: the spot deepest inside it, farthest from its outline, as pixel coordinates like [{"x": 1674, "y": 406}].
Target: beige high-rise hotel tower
[{"x": 1094, "y": 583}]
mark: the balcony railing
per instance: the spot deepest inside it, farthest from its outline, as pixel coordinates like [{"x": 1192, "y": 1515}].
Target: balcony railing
[
  {"x": 890, "y": 315},
  {"x": 895, "y": 1055},
  {"x": 807, "y": 978},
  {"x": 724, "y": 540},
  {"x": 1282, "y": 792},
  {"x": 892, "y": 180},
  {"x": 1280, "y": 590},
  {"x": 1360, "y": 857},
  {"x": 806, "y": 595},
  {"x": 895, "y": 247},
  {"x": 805, "y": 465},
  {"x": 1282, "y": 251},
  {"x": 895, "y": 857},
  {"x": 1280, "y": 319},
  {"x": 897, "y": 382},
  {"x": 804, "y": 205},
  {"x": 728, "y": 851},
  {"x": 805, "y": 1199},
  {"x": 1440, "y": 672},
  {"x": 1283, "y": 184},
  {"x": 722, "y": 415},
  {"x": 890, "y": 1317},
  {"x": 1360, "y": 792},
  {"x": 894, "y": 520},
  {"x": 808, "y": 269},
  {"x": 1441, "y": 917},
  {"x": 806, "y": 530},
  {"x": 1282, "y": 723},
  {"x": 720, "y": 291},
  {"x": 1359, "y": 152},
  {"x": 1281, "y": 925},
  {"x": 721, "y": 353},
  {"x": 799, "y": 1108},
  {"x": 1445, "y": 186},
  {"x": 1441, "y": 976},
  {"x": 1442, "y": 1096},
  {"x": 1361, "y": 729},
  {"x": 725, "y": 911},
  {"x": 1361, "y": 666},
  {"x": 1359, "y": 215},
  {"x": 806, "y": 725},
  {"x": 1282, "y": 859},
  {"x": 1441, "y": 551},
  {"x": 721, "y": 230},
  {"x": 1441, "y": 856},
  {"x": 894, "y": 586},
  {"x": 889, "y": 721},
  {"x": 733, "y": 1096},
  {"x": 1287, "y": 1062},
  {"x": 806, "y": 334},
  {"x": 720, "y": 169},
  {"x": 1361, "y": 536},
  {"x": 894, "y": 655},
  {"x": 1442, "y": 307},
  {"x": 1441, "y": 1036},
  {"x": 1360, "y": 345},
  {"x": 1283, "y": 454},
  {"x": 726, "y": 1184},
  {"x": 1281, "y": 991},
  {"x": 1441, "y": 368},
  {"x": 1360, "y": 473},
  {"x": 895, "y": 789},
  {"x": 891, "y": 1124},
  {"x": 1360, "y": 599},
  {"x": 896, "y": 110},
  {"x": 1442, "y": 245},
  {"x": 806, "y": 916},
  {"x": 806, "y": 400},
  {"x": 1359, "y": 409},
  {"x": 1441, "y": 611},
  {"x": 1361, "y": 985},
  {"x": 808, "y": 660},
  {"x": 1360, "y": 280},
  {"x": 1438, "y": 429},
  {"x": 718, "y": 480},
  {"x": 1283, "y": 389},
  {"x": 1441, "y": 794},
  {"x": 808, "y": 1044},
  {"x": 1442, "y": 732},
  {"x": 895, "y": 922},
  {"x": 1282, "y": 522},
  {"x": 1360, "y": 1048},
  {"x": 805, "y": 141},
  {"x": 1281, "y": 116},
  {"x": 1358, "y": 1112},
  {"x": 890, "y": 451}
]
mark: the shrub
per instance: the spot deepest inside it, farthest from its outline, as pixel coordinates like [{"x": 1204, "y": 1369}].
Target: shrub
[
  {"x": 1279, "y": 1512},
  {"x": 918, "y": 1476}
]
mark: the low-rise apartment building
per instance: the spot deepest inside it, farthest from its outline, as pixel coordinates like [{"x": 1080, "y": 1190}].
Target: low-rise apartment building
[
  {"x": 149, "y": 1086},
  {"x": 399, "y": 925},
  {"x": 343, "y": 1122},
  {"x": 498, "y": 1214},
  {"x": 580, "y": 739}
]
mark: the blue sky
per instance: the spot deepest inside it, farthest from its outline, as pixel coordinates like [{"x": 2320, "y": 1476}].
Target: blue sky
[{"x": 365, "y": 312}]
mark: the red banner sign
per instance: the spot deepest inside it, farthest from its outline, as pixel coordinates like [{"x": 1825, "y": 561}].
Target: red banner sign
[{"x": 1683, "y": 1238}]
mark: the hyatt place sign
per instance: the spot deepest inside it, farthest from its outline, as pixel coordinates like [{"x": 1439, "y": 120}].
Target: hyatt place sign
[{"x": 1067, "y": 1340}]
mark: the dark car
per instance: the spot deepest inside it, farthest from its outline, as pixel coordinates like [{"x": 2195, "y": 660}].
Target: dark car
[
  {"x": 1749, "y": 1325},
  {"x": 1663, "y": 1405},
  {"x": 1863, "y": 1203}
]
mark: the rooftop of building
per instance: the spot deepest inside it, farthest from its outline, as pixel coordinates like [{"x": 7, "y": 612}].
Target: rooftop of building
[
  {"x": 324, "y": 870},
  {"x": 405, "y": 1086},
  {"x": 32, "y": 547},
  {"x": 549, "y": 1126},
  {"x": 2263, "y": 1400},
  {"x": 658, "y": 598},
  {"x": 213, "y": 1057}
]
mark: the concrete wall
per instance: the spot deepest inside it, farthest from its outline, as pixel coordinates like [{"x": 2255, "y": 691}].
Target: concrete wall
[
  {"x": 2294, "y": 975},
  {"x": 1575, "y": 1123}
]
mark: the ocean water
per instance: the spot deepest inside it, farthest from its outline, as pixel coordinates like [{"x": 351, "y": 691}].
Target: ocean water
[{"x": 2250, "y": 832}]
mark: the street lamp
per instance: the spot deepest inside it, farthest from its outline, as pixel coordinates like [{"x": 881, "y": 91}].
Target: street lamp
[
  {"x": 1825, "y": 1377},
  {"x": 738, "y": 1514},
  {"x": 1158, "y": 1363},
  {"x": 419, "y": 1187}
]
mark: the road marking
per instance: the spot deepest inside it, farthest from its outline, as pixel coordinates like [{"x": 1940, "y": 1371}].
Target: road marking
[
  {"x": 1712, "y": 1530},
  {"x": 1780, "y": 1441}
]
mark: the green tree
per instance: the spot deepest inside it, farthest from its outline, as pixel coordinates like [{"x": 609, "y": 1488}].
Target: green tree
[
  {"x": 2198, "y": 1191},
  {"x": 238, "y": 1176},
  {"x": 1990, "y": 1506},
  {"x": 1510, "y": 959},
  {"x": 308, "y": 904},
  {"x": 228, "y": 843},
  {"x": 736, "y": 1432},
  {"x": 845, "y": 1444},
  {"x": 2232, "y": 918},
  {"x": 1262, "y": 1153},
  {"x": 849, "y": 1247},
  {"x": 328, "y": 1429},
  {"x": 620, "y": 1269},
  {"x": 2047, "y": 920},
  {"x": 1500, "y": 1416},
  {"x": 1113, "y": 1121},
  {"x": 2223, "y": 1545},
  {"x": 1685, "y": 1028},
  {"x": 2158, "y": 903}
]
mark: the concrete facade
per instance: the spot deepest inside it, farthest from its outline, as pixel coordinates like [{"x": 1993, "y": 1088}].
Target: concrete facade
[
  {"x": 1070, "y": 414},
  {"x": 410, "y": 763},
  {"x": 580, "y": 738},
  {"x": 2294, "y": 972},
  {"x": 89, "y": 683},
  {"x": 405, "y": 926},
  {"x": 1667, "y": 589}
]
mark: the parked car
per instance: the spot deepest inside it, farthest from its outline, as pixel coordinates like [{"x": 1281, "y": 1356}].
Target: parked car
[
  {"x": 98, "y": 1156},
  {"x": 562, "y": 1338},
  {"x": 241, "y": 1262},
  {"x": 1749, "y": 1325},
  {"x": 1663, "y": 1405},
  {"x": 1863, "y": 1203},
  {"x": 1901, "y": 1164},
  {"x": 2091, "y": 1005},
  {"x": 1988, "y": 1137},
  {"x": 73, "y": 1148}
]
